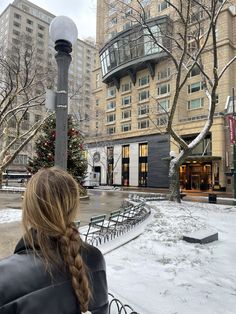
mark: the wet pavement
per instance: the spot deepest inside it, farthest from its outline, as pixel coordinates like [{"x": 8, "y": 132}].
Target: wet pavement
[{"x": 99, "y": 202}]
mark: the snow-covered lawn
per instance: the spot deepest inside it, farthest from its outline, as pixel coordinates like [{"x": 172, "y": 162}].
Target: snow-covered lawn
[
  {"x": 159, "y": 273},
  {"x": 10, "y": 215}
]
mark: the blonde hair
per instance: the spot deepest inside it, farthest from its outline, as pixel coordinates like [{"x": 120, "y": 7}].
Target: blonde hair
[{"x": 49, "y": 207}]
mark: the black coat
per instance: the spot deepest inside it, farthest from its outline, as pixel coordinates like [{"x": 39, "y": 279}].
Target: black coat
[{"x": 26, "y": 288}]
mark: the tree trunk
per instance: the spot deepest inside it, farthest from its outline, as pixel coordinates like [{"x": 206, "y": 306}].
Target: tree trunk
[{"x": 174, "y": 187}]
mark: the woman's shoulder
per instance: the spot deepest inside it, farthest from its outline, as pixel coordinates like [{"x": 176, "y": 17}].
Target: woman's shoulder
[
  {"x": 93, "y": 257},
  {"x": 15, "y": 270}
]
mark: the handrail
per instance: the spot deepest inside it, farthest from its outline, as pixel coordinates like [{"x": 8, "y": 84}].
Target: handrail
[{"x": 120, "y": 308}]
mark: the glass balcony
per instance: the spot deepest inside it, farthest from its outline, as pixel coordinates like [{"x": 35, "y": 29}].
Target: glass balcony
[{"x": 134, "y": 49}]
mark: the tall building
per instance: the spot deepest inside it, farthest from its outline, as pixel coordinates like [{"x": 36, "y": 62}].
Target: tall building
[
  {"x": 25, "y": 18},
  {"x": 134, "y": 83}
]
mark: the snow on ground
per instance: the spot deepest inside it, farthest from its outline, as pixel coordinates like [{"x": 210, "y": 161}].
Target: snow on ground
[
  {"x": 158, "y": 273},
  {"x": 10, "y": 215}
]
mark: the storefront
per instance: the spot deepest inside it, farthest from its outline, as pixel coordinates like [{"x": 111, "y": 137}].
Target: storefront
[{"x": 200, "y": 173}]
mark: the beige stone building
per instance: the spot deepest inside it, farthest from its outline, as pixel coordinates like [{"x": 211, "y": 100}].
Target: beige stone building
[
  {"x": 24, "y": 17},
  {"x": 134, "y": 84}
]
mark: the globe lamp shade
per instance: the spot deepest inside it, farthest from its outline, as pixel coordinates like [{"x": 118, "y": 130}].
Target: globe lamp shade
[{"x": 63, "y": 28}]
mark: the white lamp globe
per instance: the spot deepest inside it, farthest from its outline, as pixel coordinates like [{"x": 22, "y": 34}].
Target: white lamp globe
[{"x": 63, "y": 28}]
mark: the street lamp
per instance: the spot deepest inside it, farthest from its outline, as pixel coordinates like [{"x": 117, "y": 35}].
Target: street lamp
[{"x": 64, "y": 33}]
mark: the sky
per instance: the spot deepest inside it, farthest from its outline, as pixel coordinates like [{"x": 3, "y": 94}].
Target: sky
[
  {"x": 160, "y": 273},
  {"x": 82, "y": 12}
]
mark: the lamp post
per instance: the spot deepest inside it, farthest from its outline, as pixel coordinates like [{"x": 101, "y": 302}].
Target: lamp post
[{"x": 63, "y": 32}]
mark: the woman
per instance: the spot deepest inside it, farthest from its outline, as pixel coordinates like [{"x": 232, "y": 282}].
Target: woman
[{"x": 52, "y": 270}]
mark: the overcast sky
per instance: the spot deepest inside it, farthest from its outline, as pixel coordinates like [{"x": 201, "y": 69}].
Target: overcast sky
[{"x": 82, "y": 12}]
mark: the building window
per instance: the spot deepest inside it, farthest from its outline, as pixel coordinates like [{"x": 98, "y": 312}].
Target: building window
[
  {"x": 125, "y": 151},
  {"x": 111, "y": 105},
  {"x": 97, "y": 80},
  {"x": 15, "y": 32},
  {"x": 143, "y": 164},
  {"x": 195, "y": 103},
  {"x": 111, "y": 91},
  {"x": 110, "y": 165},
  {"x": 163, "y": 89},
  {"x": 111, "y": 118},
  {"x": 128, "y": 12},
  {"x": 29, "y": 22},
  {"x": 144, "y": 80},
  {"x": 143, "y": 95},
  {"x": 125, "y": 127},
  {"x": 42, "y": 28},
  {"x": 150, "y": 47},
  {"x": 125, "y": 165},
  {"x": 25, "y": 8},
  {"x": 195, "y": 87},
  {"x": 29, "y": 30},
  {"x": 112, "y": 9},
  {"x": 143, "y": 109},
  {"x": 126, "y": 114},
  {"x": 16, "y": 24},
  {"x": 15, "y": 41},
  {"x": 204, "y": 148},
  {"x": 145, "y": 2},
  {"x": 163, "y": 105},
  {"x": 143, "y": 124},
  {"x": 143, "y": 150},
  {"x": 163, "y": 74},
  {"x": 162, "y": 120},
  {"x": 127, "y": 25},
  {"x": 112, "y": 34},
  {"x": 192, "y": 46},
  {"x": 196, "y": 16},
  {"x": 17, "y": 16},
  {"x": 111, "y": 130},
  {"x": 40, "y": 35},
  {"x": 97, "y": 102},
  {"x": 113, "y": 21},
  {"x": 195, "y": 71},
  {"x": 162, "y": 6},
  {"x": 126, "y": 101},
  {"x": 145, "y": 14},
  {"x": 126, "y": 87}
]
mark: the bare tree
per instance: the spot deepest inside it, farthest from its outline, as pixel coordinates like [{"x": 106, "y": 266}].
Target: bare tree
[
  {"x": 24, "y": 74},
  {"x": 186, "y": 39}
]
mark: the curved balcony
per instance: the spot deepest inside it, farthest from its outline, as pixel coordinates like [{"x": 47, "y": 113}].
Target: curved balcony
[{"x": 133, "y": 50}]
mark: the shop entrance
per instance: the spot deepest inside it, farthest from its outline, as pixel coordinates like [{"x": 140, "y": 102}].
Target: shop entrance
[{"x": 196, "y": 176}]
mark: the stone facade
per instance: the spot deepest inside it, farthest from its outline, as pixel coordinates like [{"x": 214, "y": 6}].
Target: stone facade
[{"x": 133, "y": 103}]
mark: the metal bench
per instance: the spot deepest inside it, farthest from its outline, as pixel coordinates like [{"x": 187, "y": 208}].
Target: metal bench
[
  {"x": 95, "y": 227},
  {"x": 110, "y": 225},
  {"x": 113, "y": 220}
]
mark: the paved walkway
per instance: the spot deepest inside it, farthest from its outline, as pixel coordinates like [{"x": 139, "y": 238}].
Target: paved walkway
[{"x": 11, "y": 232}]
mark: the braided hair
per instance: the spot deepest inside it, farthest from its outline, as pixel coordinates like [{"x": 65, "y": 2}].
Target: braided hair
[{"x": 50, "y": 206}]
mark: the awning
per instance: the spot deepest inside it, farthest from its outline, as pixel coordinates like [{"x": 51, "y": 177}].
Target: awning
[
  {"x": 197, "y": 158},
  {"x": 202, "y": 158}
]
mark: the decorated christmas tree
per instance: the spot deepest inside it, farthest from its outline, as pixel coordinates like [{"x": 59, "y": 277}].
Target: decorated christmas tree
[{"x": 45, "y": 149}]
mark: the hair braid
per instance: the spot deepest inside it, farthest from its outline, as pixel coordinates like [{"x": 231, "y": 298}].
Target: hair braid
[{"x": 70, "y": 246}]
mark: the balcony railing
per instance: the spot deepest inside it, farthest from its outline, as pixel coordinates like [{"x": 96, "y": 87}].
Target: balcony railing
[{"x": 134, "y": 49}]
